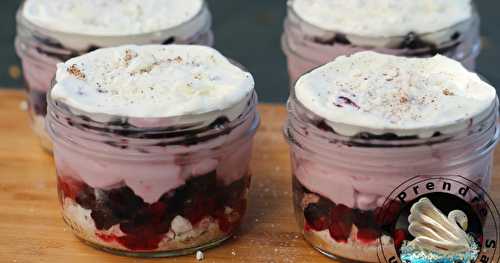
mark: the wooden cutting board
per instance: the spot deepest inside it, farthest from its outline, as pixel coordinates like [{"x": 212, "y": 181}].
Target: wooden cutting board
[{"x": 31, "y": 228}]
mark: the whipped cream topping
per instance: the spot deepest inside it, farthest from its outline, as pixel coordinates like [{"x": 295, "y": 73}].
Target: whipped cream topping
[
  {"x": 152, "y": 81},
  {"x": 383, "y": 18},
  {"x": 110, "y": 17},
  {"x": 378, "y": 94}
]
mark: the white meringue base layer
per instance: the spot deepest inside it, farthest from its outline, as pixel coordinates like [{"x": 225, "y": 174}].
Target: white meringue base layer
[
  {"x": 352, "y": 250},
  {"x": 182, "y": 234}
]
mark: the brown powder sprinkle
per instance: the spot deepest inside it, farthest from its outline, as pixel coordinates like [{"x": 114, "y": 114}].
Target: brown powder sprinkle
[
  {"x": 75, "y": 71},
  {"x": 178, "y": 59},
  {"x": 447, "y": 92},
  {"x": 403, "y": 100}
]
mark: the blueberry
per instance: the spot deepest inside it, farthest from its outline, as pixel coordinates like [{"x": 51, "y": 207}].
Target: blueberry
[
  {"x": 219, "y": 123},
  {"x": 168, "y": 41},
  {"x": 103, "y": 217},
  {"x": 86, "y": 198},
  {"x": 324, "y": 127},
  {"x": 413, "y": 41},
  {"x": 123, "y": 202}
]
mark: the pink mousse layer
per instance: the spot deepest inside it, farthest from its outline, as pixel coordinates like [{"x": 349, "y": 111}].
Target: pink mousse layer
[
  {"x": 369, "y": 190},
  {"x": 364, "y": 177},
  {"x": 152, "y": 174},
  {"x": 38, "y": 69}
]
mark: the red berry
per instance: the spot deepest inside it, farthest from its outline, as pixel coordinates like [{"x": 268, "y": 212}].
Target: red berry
[
  {"x": 340, "y": 231},
  {"x": 106, "y": 238},
  {"x": 157, "y": 212},
  {"x": 197, "y": 208},
  {"x": 69, "y": 187},
  {"x": 341, "y": 213},
  {"x": 224, "y": 224},
  {"x": 399, "y": 237},
  {"x": 341, "y": 223},
  {"x": 229, "y": 222},
  {"x": 368, "y": 235},
  {"x": 320, "y": 224},
  {"x": 145, "y": 239},
  {"x": 388, "y": 214}
]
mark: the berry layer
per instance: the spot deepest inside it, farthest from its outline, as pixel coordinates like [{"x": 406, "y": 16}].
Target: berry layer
[
  {"x": 201, "y": 211},
  {"x": 343, "y": 231}
]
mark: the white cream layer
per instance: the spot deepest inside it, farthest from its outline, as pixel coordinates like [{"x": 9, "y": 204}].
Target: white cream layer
[
  {"x": 110, "y": 17},
  {"x": 375, "y": 93},
  {"x": 151, "y": 81},
  {"x": 383, "y": 18}
]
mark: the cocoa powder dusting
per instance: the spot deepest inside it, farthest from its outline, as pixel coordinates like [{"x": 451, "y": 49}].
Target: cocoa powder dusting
[
  {"x": 447, "y": 92},
  {"x": 178, "y": 59},
  {"x": 75, "y": 71}
]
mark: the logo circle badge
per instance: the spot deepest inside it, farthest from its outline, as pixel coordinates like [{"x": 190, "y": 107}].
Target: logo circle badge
[{"x": 440, "y": 219}]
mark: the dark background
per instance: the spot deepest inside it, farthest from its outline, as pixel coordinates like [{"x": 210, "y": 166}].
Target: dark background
[{"x": 249, "y": 32}]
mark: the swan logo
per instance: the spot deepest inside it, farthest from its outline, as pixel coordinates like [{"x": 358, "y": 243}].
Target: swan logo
[
  {"x": 437, "y": 237},
  {"x": 441, "y": 219}
]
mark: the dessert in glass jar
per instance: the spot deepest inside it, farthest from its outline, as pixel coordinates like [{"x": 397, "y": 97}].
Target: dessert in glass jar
[
  {"x": 53, "y": 31},
  {"x": 152, "y": 147},
  {"x": 317, "y": 31},
  {"x": 362, "y": 125}
]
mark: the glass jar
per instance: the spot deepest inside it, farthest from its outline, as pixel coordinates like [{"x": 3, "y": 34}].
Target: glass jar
[
  {"x": 132, "y": 188},
  {"x": 40, "y": 50},
  {"x": 307, "y": 46},
  {"x": 342, "y": 184}
]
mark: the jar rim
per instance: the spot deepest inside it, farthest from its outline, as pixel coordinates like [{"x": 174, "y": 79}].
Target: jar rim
[{"x": 293, "y": 12}]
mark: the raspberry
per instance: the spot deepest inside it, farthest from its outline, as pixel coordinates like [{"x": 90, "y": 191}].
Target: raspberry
[
  {"x": 341, "y": 223},
  {"x": 368, "y": 235},
  {"x": 387, "y": 215},
  {"x": 69, "y": 187},
  {"x": 197, "y": 208},
  {"x": 399, "y": 237}
]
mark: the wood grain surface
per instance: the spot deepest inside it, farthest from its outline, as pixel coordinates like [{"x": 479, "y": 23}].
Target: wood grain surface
[{"x": 31, "y": 228}]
